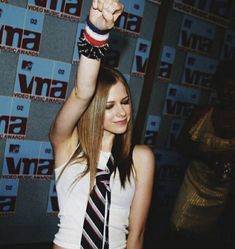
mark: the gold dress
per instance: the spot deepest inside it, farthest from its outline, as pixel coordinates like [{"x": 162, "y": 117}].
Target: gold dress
[{"x": 204, "y": 192}]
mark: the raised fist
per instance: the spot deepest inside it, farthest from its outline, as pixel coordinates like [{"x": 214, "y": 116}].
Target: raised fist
[{"x": 104, "y": 13}]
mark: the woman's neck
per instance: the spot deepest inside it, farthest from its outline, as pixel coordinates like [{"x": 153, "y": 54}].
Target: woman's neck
[{"x": 107, "y": 142}]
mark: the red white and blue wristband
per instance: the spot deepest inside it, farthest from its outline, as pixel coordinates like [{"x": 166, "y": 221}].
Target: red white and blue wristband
[{"x": 93, "y": 43}]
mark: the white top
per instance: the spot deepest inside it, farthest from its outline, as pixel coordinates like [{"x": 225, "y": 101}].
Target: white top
[{"x": 73, "y": 201}]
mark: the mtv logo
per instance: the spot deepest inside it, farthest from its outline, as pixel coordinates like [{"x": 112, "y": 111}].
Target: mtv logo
[
  {"x": 168, "y": 55},
  {"x": 9, "y": 187},
  {"x": 14, "y": 148},
  {"x": 142, "y": 47},
  {"x": 136, "y": 6},
  {"x": 48, "y": 151},
  {"x": 27, "y": 65},
  {"x": 172, "y": 92},
  {"x": 150, "y": 137},
  {"x": 191, "y": 61},
  {"x": 153, "y": 123}
]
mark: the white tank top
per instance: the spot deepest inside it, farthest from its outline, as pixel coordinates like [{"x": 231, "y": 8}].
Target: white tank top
[{"x": 73, "y": 201}]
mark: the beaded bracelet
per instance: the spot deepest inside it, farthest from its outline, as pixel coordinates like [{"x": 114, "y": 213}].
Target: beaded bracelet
[{"x": 93, "y": 42}]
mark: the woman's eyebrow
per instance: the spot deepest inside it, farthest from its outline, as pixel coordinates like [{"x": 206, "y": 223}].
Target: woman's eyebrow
[{"x": 124, "y": 98}]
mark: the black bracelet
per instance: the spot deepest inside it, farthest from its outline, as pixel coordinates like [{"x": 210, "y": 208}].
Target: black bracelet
[{"x": 92, "y": 52}]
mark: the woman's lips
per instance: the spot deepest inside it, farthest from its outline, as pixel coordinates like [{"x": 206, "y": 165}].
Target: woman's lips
[{"x": 121, "y": 122}]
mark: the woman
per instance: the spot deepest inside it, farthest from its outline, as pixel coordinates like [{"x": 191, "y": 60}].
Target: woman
[
  {"x": 91, "y": 133},
  {"x": 208, "y": 141}
]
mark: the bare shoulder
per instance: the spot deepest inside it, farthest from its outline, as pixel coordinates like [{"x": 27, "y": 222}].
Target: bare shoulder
[{"x": 143, "y": 157}]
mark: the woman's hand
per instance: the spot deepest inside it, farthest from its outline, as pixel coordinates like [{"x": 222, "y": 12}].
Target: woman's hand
[{"x": 104, "y": 13}]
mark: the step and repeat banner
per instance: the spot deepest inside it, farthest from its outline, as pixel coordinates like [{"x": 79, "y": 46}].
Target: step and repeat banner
[
  {"x": 38, "y": 60},
  {"x": 198, "y": 35}
]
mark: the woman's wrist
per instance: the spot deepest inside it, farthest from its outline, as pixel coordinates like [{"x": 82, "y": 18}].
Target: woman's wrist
[
  {"x": 95, "y": 29},
  {"x": 93, "y": 41}
]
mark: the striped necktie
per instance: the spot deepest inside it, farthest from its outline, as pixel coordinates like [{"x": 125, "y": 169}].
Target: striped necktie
[{"x": 95, "y": 227}]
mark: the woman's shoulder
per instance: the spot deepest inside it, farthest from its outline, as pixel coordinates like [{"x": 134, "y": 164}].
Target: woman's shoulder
[
  {"x": 196, "y": 113},
  {"x": 143, "y": 149},
  {"x": 200, "y": 110},
  {"x": 143, "y": 156}
]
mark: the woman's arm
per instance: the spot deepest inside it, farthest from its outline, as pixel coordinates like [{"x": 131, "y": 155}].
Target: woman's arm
[
  {"x": 63, "y": 134},
  {"x": 144, "y": 163}
]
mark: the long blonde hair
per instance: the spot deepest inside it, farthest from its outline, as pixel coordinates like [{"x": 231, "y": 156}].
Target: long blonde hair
[{"x": 90, "y": 130}]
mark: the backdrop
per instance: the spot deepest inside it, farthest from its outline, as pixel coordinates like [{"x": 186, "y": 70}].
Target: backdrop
[{"x": 38, "y": 60}]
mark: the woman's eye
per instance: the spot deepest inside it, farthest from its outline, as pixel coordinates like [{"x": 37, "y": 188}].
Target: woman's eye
[
  {"x": 108, "y": 107},
  {"x": 125, "y": 102}
]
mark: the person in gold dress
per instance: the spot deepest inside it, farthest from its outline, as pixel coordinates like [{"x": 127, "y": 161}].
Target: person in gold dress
[{"x": 200, "y": 215}]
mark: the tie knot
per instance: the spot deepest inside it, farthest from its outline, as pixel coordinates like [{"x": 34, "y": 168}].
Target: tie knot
[
  {"x": 110, "y": 165},
  {"x": 104, "y": 175}
]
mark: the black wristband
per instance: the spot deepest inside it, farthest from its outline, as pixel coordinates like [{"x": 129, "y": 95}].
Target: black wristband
[{"x": 92, "y": 52}]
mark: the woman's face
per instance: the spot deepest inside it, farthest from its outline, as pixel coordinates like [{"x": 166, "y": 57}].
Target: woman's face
[{"x": 118, "y": 110}]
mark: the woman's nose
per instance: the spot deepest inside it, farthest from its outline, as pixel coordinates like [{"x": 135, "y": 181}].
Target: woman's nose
[{"x": 121, "y": 111}]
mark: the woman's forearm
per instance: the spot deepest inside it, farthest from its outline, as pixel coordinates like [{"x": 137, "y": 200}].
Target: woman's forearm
[{"x": 135, "y": 241}]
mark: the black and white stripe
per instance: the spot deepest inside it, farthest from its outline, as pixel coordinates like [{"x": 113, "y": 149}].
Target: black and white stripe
[{"x": 95, "y": 226}]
